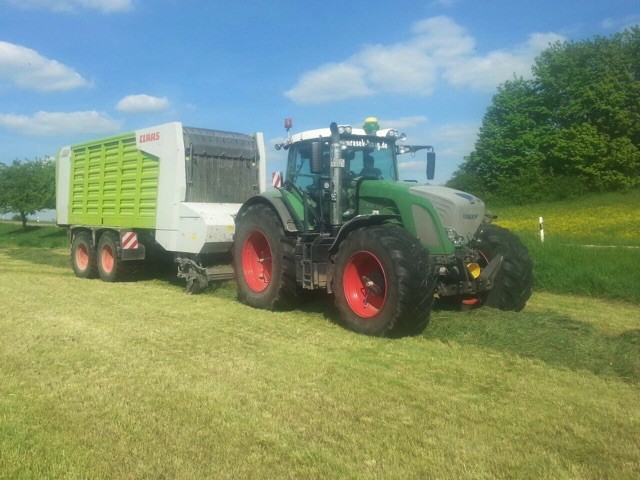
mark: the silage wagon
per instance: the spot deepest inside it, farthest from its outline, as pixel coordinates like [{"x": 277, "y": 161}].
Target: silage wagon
[{"x": 167, "y": 189}]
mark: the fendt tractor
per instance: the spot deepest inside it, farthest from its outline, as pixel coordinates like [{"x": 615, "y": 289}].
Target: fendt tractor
[
  {"x": 163, "y": 189},
  {"x": 343, "y": 222}
]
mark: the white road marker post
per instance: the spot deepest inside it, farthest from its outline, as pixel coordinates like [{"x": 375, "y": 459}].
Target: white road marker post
[{"x": 541, "y": 231}]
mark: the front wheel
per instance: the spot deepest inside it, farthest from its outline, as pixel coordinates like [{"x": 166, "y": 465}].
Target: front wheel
[
  {"x": 513, "y": 284},
  {"x": 264, "y": 260},
  {"x": 383, "y": 282}
]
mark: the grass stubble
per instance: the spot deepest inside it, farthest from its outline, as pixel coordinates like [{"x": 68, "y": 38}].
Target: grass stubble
[{"x": 139, "y": 380}]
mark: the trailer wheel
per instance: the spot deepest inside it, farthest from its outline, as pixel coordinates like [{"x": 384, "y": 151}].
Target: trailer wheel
[
  {"x": 513, "y": 284},
  {"x": 110, "y": 266},
  {"x": 383, "y": 282},
  {"x": 263, "y": 260},
  {"x": 83, "y": 257}
]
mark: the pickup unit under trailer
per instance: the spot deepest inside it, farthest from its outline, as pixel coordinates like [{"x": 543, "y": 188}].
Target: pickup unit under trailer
[{"x": 165, "y": 188}]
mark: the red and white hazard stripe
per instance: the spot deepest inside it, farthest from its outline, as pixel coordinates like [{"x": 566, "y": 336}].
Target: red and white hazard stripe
[
  {"x": 276, "y": 179},
  {"x": 129, "y": 240}
]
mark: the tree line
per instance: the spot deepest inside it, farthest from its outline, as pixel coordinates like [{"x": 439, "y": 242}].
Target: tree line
[
  {"x": 27, "y": 187},
  {"x": 573, "y": 128}
]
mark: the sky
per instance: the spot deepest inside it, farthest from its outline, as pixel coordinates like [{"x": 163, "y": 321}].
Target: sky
[{"x": 77, "y": 70}]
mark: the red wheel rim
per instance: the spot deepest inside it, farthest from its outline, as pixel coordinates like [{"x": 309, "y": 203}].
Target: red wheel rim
[
  {"x": 256, "y": 261},
  {"x": 82, "y": 256},
  {"x": 365, "y": 284},
  {"x": 106, "y": 257}
]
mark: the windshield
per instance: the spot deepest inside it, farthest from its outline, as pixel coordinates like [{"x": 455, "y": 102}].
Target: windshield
[{"x": 362, "y": 157}]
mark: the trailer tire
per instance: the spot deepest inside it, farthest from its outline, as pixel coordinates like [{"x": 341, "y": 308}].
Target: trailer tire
[
  {"x": 383, "y": 282},
  {"x": 264, "y": 260},
  {"x": 110, "y": 265},
  {"x": 83, "y": 256},
  {"x": 513, "y": 284}
]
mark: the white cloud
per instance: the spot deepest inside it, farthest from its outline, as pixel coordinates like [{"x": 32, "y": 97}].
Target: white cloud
[
  {"x": 438, "y": 49},
  {"x": 330, "y": 82},
  {"x": 485, "y": 73},
  {"x": 619, "y": 24},
  {"x": 142, "y": 104},
  {"x": 58, "y": 123},
  {"x": 26, "y": 68},
  {"x": 105, "y": 6},
  {"x": 386, "y": 65},
  {"x": 404, "y": 122}
]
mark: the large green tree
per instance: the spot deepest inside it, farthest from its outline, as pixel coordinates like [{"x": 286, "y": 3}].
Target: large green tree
[
  {"x": 26, "y": 187},
  {"x": 574, "y": 127}
]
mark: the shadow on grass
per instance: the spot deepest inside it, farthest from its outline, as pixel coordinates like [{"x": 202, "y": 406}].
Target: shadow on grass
[
  {"x": 40, "y": 256},
  {"x": 548, "y": 337}
]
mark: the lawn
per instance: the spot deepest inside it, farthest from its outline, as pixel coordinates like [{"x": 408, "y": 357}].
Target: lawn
[{"x": 140, "y": 380}]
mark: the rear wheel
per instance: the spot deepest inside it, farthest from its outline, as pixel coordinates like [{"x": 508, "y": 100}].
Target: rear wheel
[
  {"x": 110, "y": 266},
  {"x": 383, "y": 282},
  {"x": 513, "y": 283},
  {"x": 264, "y": 260},
  {"x": 83, "y": 257}
]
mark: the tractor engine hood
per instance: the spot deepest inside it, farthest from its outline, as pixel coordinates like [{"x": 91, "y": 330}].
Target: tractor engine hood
[{"x": 458, "y": 210}]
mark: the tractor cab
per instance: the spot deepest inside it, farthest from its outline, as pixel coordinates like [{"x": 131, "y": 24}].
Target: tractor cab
[{"x": 367, "y": 153}]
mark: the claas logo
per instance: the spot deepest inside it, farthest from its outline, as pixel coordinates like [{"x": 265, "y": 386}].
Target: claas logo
[{"x": 150, "y": 137}]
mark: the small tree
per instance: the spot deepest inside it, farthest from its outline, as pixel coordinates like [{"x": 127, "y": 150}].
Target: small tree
[{"x": 26, "y": 187}]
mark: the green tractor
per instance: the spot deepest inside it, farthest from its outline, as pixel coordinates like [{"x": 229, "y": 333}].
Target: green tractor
[{"x": 341, "y": 221}]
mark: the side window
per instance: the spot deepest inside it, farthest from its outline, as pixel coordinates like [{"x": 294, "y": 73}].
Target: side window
[{"x": 300, "y": 171}]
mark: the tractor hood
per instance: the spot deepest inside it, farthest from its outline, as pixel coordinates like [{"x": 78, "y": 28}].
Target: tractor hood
[{"x": 457, "y": 210}]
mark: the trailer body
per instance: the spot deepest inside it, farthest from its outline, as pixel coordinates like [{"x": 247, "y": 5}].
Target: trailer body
[{"x": 168, "y": 186}]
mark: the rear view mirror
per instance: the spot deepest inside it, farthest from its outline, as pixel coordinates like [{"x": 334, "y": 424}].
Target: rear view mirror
[{"x": 431, "y": 165}]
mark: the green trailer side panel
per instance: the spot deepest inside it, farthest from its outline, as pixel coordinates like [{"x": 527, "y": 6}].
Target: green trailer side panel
[{"x": 113, "y": 184}]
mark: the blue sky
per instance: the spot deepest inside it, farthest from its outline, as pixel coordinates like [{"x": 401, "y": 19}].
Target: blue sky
[{"x": 75, "y": 70}]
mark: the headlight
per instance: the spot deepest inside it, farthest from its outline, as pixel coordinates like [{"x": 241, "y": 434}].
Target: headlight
[
  {"x": 454, "y": 236},
  {"x": 344, "y": 129},
  {"x": 392, "y": 133}
]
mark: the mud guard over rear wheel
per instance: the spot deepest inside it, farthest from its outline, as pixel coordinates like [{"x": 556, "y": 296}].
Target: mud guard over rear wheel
[
  {"x": 264, "y": 260},
  {"x": 383, "y": 282}
]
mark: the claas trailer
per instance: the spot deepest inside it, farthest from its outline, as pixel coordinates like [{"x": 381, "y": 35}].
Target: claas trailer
[{"x": 167, "y": 189}]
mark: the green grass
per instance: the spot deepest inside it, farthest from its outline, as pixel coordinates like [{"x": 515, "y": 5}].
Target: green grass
[
  {"x": 591, "y": 246},
  {"x": 42, "y": 236},
  {"x": 140, "y": 380}
]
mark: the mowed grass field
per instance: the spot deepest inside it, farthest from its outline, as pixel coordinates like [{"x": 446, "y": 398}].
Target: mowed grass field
[{"x": 140, "y": 380}]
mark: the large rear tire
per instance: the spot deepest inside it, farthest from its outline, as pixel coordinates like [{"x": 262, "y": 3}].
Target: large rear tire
[
  {"x": 83, "y": 256},
  {"x": 264, "y": 260},
  {"x": 383, "y": 282},
  {"x": 110, "y": 265},
  {"x": 514, "y": 282}
]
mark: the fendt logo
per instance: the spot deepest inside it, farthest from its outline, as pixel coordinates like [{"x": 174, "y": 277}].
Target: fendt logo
[{"x": 149, "y": 137}]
